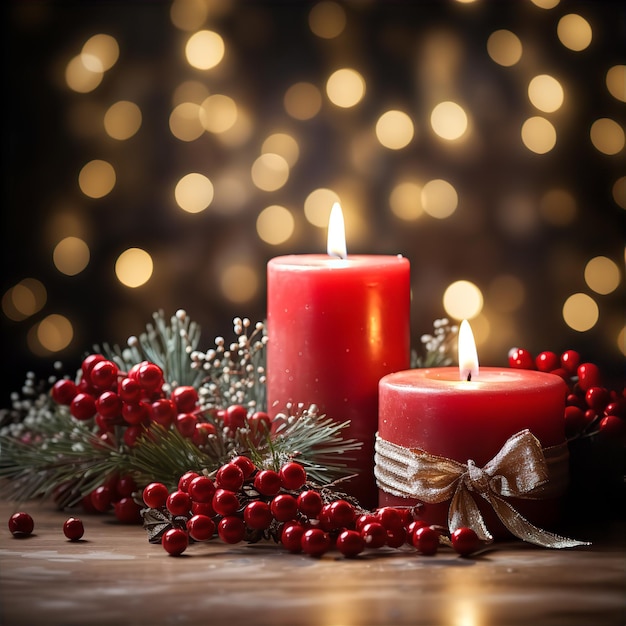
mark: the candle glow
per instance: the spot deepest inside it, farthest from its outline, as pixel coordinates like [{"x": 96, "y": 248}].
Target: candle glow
[
  {"x": 336, "y": 242},
  {"x": 468, "y": 357}
]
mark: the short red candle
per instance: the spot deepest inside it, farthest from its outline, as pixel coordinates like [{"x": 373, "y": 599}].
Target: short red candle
[
  {"x": 335, "y": 328},
  {"x": 433, "y": 410}
]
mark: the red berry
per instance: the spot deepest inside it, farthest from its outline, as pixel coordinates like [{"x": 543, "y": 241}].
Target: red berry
[
  {"x": 83, "y": 406},
  {"x": 175, "y": 541},
  {"x": 465, "y": 541},
  {"x": 103, "y": 374},
  {"x": 315, "y": 542},
  {"x": 185, "y": 398},
  {"x": 426, "y": 540},
  {"x": 231, "y": 529},
  {"x": 186, "y": 424},
  {"x": 390, "y": 518},
  {"x": 310, "y": 503},
  {"x": 291, "y": 537},
  {"x": 126, "y": 486},
  {"x": 89, "y": 362},
  {"x": 257, "y": 515},
  {"x": 163, "y": 412},
  {"x": 73, "y": 528},
  {"x": 109, "y": 404},
  {"x": 412, "y": 527},
  {"x": 225, "y": 502},
  {"x": 229, "y": 476},
  {"x": 570, "y": 360},
  {"x": 597, "y": 398},
  {"x": 150, "y": 376},
  {"x": 202, "y": 508},
  {"x": 267, "y": 482},
  {"x": 350, "y": 543},
  {"x": 21, "y": 524},
  {"x": 547, "y": 361},
  {"x": 155, "y": 495},
  {"x": 136, "y": 413},
  {"x": 613, "y": 427},
  {"x": 235, "y": 416},
  {"x": 396, "y": 537},
  {"x": 201, "y": 435},
  {"x": 617, "y": 408},
  {"x": 132, "y": 433},
  {"x": 284, "y": 507},
  {"x": 185, "y": 479},
  {"x": 292, "y": 475},
  {"x": 127, "y": 511},
  {"x": 575, "y": 420},
  {"x": 588, "y": 376},
  {"x": 342, "y": 514},
  {"x": 245, "y": 465},
  {"x": 201, "y": 489},
  {"x": 129, "y": 390},
  {"x": 260, "y": 422},
  {"x": 178, "y": 503},
  {"x": 101, "y": 498},
  {"x": 364, "y": 518},
  {"x": 374, "y": 534},
  {"x": 63, "y": 391},
  {"x": 201, "y": 527},
  {"x": 521, "y": 359},
  {"x": 562, "y": 372}
]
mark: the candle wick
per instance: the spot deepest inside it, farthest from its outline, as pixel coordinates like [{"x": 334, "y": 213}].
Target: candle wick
[{"x": 469, "y": 376}]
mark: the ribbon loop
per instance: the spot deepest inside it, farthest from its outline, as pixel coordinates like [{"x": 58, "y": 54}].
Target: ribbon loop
[{"x": 521, "y": 469}]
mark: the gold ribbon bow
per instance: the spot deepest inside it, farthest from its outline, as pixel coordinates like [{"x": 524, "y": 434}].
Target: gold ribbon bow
[{"x": 519, "y": 470}]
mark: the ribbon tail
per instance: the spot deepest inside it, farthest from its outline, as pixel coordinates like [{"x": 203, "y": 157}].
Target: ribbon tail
[
  {"x": 519, "y": 526},
  {"x": 464, "y": 512}
]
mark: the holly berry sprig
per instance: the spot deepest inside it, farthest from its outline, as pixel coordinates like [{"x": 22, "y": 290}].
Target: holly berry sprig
[
  {"x": 241, "y": 502},
  {"x": 591, "y": 408}
]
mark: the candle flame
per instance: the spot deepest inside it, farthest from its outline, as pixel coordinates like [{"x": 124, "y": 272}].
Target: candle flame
[
  {"x": 468, "y": 357},
  {"x": 336, "y": 245}
]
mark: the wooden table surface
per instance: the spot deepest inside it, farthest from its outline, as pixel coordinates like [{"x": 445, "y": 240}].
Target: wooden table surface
[{"x": 114, "y": 576}]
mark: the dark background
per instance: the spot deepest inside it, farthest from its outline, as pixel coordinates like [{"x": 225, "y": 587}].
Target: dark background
[{"x": 270, "y": 46}]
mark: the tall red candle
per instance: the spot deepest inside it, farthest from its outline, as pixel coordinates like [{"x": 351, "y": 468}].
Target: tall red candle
[
  {"x": 335, "y": 328},
  {"x": 435, "y": 411}
]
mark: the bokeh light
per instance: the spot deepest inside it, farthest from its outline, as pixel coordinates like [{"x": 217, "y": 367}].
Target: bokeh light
[
  {"x": 538, "y": 135},
  {"x": 574, "y": 32},
  {"x": 318, "y": 204},
  {"x": 345, "y": 88},
  {"x": 394, "y": 130},
  {"x": 558, "y": 207},
  {"x": 327, "y": 19},
  {"x": 54, "y": 333},
  {"x": 405, "y": 200},
  {"x": 270, "y": 172},
  {"x": 545, "y": 93},
  {"x": 607, "y": 136},
  {"x": 504, "y": 47},
  {"x": 439, "y": 198},
  {"x": 134, "y": 267},
  {"x": 303, "y": 101},
  {"x": 545, "y": 4},
  {"x": 122, "y": 120},
  {"x": 580, "y": 312},
  {"x": 24, "y": 299},
  {"x": 71, "y": 256},
  {"x": 185, "y": 122},
  {"x": 284, "y": 145},
  {"x": 218, "y": 113},
  {"x": 449, "y": 120},
  {"x": 194, "y": 192},
  {"x": 239, "y": 282},
  {"x": 619, "y": 192},
  {"x": 602, "y": 275},
  {"x": 100, "y": 52},
  {"x": 189, "y": 15},
  {"x": 462, "y": 300},
  {"x": 204, "y": 49},
  {"x": 96, "y": 179},
  {"x": 80, "y": 78},
  {"x": 616, "y": 82},
  {"x": 275, "y": 224}
]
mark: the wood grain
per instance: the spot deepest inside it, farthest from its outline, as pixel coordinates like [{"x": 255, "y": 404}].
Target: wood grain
[{"x": 114, "y": 576}]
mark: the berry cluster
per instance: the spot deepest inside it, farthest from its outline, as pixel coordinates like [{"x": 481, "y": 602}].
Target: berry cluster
[
  {"x": 590, "y": 406},
  {"x": 242, "y": 502}
]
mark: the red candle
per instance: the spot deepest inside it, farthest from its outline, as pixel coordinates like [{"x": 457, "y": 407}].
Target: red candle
[
  {"x": 335, "y": 328},
  {"x": 442, "y": 413}
]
